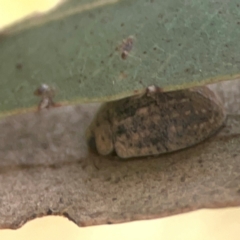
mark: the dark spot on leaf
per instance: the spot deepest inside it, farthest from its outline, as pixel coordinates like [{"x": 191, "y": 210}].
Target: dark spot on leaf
[
  {"x": 122, "y": 24},
  {"x": 154, "y": 48},
  {"x": 179, "y": 44},
  {"x": 144, "y": 52},
  {"x": 187, "y": 70},
  {"x": 19, "y": 66}
]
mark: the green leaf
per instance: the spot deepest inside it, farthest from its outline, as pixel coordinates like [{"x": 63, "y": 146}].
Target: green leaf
[{"x": 78, "y": 49}]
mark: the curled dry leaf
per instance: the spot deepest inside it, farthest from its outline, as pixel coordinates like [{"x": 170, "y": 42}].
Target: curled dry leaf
[{"x": 46, "y": 169}]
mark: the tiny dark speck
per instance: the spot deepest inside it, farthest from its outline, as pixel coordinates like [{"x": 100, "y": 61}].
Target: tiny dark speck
[
  {"x": 19, "y": 66},
  {"x": 114, "y": 199},
  {"x": 144, "y": 52},
  {"x": 187, "y": 70}
]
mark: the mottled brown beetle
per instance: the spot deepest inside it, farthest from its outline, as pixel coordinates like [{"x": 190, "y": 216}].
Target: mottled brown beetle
[{"x": 156, "y": 122}]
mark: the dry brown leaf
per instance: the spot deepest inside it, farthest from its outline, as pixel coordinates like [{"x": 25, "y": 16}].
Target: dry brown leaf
[{"x": 46, "y": 169}]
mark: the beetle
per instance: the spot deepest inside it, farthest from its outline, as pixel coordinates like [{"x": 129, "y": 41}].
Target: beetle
[{"x": 156, "y": 122}]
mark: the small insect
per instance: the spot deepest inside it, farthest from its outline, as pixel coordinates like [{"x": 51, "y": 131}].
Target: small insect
[
  {"x": 46, "y": 94},
  {"x": 126, "y": 47},
  {"x": 156, "y": 122}
]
